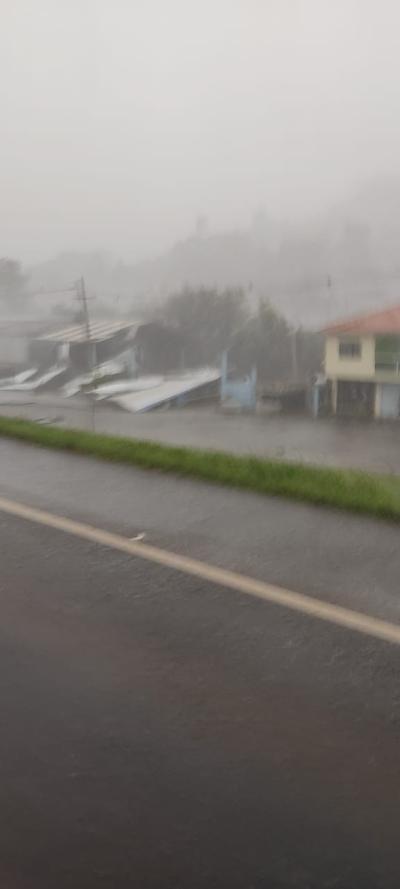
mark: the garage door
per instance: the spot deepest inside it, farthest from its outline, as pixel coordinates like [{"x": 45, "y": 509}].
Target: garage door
[
  {"x": 390, "y": 402},
  {"x": 355, "y": 398}
]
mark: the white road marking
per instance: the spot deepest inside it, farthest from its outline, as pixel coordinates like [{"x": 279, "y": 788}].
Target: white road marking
[{"x": 316, "y": 608}]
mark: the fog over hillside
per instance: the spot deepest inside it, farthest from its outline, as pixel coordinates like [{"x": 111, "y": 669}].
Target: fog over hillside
[
  {"x": 252, "y": 143},
  {"x": 343, "y": 260}
]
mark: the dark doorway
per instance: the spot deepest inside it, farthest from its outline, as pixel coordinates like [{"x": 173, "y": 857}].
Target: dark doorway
[{"x": 355, "y": 398}]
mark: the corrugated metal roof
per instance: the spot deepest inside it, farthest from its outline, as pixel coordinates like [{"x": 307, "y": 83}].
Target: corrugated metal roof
[
  {"x": 167, "y": 389},
  {"x": 122, "y": 387},
  {"x": 28, "y": 382},
  {"x": 387, "y": 321},
  {"x": 99, "y": 330}
]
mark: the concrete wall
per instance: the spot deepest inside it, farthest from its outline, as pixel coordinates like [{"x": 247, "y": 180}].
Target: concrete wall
[
  {"x": 243, "y": 391},
  {"x": 362, "y": 368}
]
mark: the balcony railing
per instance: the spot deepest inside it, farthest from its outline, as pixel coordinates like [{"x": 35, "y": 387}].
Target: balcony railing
[{"x": 388, "y": 362}]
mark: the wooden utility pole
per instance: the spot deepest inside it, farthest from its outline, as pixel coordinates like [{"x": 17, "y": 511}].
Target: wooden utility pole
[
  {"x": 91, "y": 356},
  {"x": 82, "y": 298}
]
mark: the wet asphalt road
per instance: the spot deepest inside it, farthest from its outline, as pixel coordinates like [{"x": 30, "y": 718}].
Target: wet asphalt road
[{"x": 158, "y": 731}]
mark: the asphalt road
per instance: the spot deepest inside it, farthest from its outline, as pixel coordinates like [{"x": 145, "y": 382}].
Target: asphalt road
[{"x": 158, "y": 730}]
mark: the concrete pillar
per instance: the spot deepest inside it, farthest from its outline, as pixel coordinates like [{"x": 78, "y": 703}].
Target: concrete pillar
[
  {"x": 334, "y": 396},
  {"x": 378, "y": 401},
  {"x": 315, "y": 399}
]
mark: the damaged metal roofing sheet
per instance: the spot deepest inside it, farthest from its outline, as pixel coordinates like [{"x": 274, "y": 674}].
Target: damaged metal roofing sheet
[
  {"x": 99, "y": 330},
  {"x": 166, "y": 390}
]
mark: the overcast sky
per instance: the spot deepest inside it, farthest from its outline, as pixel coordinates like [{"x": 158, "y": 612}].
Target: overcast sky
[{"x": 122, "y": 120}]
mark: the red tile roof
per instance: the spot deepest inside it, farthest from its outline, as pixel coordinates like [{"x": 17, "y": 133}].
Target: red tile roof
[{"x": 387, "y": 321}]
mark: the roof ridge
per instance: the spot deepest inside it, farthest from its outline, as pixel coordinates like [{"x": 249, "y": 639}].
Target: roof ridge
[{"x": 368, "y": 321}]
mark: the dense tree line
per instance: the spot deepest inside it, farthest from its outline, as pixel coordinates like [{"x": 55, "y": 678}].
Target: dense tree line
[
  {"x": 196, "y": 325},
  {"x": 12, "y": 283},
  {"x": 208, "y": 321}
]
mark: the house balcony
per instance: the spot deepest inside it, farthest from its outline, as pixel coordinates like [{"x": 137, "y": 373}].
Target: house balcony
[{"x": 388, "y": 363}]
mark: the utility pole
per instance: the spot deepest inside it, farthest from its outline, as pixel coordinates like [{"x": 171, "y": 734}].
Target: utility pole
[{"x": 82, "y": 298}]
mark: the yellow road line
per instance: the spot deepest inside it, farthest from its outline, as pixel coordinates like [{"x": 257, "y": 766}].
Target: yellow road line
[{"x": 316, "y": 608}]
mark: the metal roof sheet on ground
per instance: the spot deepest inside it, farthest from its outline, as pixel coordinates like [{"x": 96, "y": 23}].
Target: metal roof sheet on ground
[
  {"x": 99, "y": 331},
  {"x": 108, "y": 390},
  {"x": 31, "y": 384},
  {"x": 108, "y": 368},
  {"x": 170, "y": 388},
  {"x": 17, "y": 379}
]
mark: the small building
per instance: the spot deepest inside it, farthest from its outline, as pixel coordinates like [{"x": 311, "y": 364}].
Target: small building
[
  {"x": 146, "y": 347},
  {"x": 85, "y": 349},
  {"x": 362, "y": 365}
]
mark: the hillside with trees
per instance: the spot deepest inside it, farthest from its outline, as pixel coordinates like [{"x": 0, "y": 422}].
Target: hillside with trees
[
  {"x": 312, "y": 270},
  {"x": 13, "y": 283}
]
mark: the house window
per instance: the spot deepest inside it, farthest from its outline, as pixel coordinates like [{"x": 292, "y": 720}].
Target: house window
[{"x": 350, "y": 349}]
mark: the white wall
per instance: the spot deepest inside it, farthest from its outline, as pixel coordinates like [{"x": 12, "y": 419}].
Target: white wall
[{"x": 362, "y": 368}]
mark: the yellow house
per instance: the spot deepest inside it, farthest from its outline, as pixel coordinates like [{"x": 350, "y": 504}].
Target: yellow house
[{"x": 362, "y": 365}]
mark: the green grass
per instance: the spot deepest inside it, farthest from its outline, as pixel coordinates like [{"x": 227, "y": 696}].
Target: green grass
[{"x": 377, "y": 495}]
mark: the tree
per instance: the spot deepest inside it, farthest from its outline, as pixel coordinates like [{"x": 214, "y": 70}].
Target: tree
[
  {"x": 263, "y": 342},
  {"x": 159, "y": 348},
  {"x": 278, "y": 351},
  {"x": 207, "y": 320},
  {"x": 310, "y": 352},
  {"x": 12, "y": 282}
]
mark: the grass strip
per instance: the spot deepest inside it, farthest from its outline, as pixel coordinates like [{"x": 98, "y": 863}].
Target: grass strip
[{"x": 361, "y": 492}]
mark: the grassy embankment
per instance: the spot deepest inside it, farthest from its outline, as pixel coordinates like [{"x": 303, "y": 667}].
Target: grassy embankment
[{"x": 377, "y": 495}]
